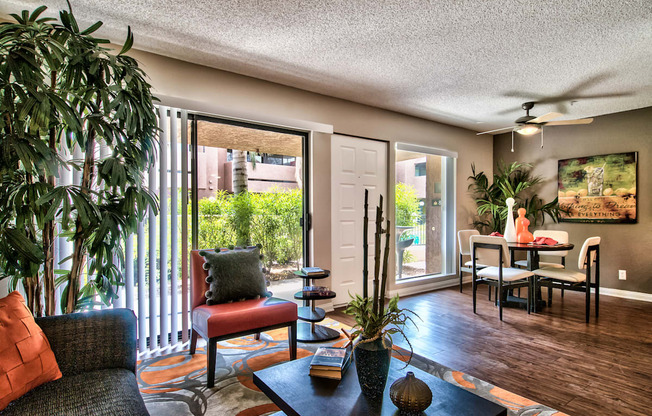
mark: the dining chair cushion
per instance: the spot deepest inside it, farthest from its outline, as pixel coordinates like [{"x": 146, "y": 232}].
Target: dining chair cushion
[
  {"x": 561, "y": 274},
  {"x": 510, "y": 274},
  {"x": 490, "y": 256},
  {"x": 463, "y": 241},
  {"x": 582, "y": 258},
  {"x": 235, "y": 317},
  {"x": 542, "y": 264},
  {"x": 560, "y": 236},
  {"x": 470, "y": 264},
  {"x": 234, "y": 275}
]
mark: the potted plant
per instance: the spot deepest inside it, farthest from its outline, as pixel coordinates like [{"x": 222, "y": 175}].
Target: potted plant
[
  {"x": 375, "y": 322},
  {"x": 64, "y": 93},
  {"x": 510, "y": 181}
]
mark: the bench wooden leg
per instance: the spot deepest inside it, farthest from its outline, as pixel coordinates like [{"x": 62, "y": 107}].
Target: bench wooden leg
[
  {"x": 193, "y": 342},
  {"x": 211, "y": 357},
  {"x": 292, "y": 339},
  {"x": 588, "y": 301},
  {"x": 257, "y": 336}
]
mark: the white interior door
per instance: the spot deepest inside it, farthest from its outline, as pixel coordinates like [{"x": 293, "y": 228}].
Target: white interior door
[{"x": 356, "y": 165}]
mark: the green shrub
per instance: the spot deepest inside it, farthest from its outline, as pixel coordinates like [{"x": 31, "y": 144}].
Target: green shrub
[
  {"x": 270, "y": 219},
  {"x": 407, "y": 205}
]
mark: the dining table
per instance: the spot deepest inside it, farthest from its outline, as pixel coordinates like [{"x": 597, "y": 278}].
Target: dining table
[{"x": 533, "y": 251}]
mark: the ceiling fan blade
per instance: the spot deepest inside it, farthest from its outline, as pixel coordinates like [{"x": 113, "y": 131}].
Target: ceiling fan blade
[
  {"x": 497, "y": 130},
  {"x": 570, "y": 122},
  {"x": 545, "y": 117}
]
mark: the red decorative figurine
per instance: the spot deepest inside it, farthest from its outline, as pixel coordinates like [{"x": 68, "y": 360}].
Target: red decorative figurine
[{"x": 522, "y": 233}]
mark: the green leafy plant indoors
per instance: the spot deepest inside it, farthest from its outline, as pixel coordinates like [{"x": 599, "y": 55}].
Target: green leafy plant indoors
[
  {"x": 374, "y": 320},
  {"x": 513, "y": 180},
  {"x": 62, "y": 91}
]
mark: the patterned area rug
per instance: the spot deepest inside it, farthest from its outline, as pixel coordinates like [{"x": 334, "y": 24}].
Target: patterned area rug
[{"x": 175, "y": 384}]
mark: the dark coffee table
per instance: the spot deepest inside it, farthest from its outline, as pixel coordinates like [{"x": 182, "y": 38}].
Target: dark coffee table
[{"x": 290, "y": 387}]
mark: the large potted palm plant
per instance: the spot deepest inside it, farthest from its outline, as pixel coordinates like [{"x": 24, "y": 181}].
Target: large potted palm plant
[
  {"x": 515, "y": 181},
  {"x": 69, "y": 103},
  {"x": 375, "y": 322}
]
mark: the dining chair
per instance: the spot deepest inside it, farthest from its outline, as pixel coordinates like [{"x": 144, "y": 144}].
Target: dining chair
[
  {"x": 465, "y": 250},
  {"x": 494, "y": 253},
  {"x": 553, "y": 277},
  {"x": 560, "y": 256}
]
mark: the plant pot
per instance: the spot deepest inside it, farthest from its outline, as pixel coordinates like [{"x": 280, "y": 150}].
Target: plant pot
[{"x": 372, "y": 364}]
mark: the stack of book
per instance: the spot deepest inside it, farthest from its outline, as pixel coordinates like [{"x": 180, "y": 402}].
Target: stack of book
[
  {"x": 312, "y": 271},
  {"x": 329, "y": 362},
  {"x": 312, "y": 291}
]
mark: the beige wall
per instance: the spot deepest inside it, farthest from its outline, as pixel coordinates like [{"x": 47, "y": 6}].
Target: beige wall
[
  {"x": 209, "y": 88},
  {"x": 624, "y": 246}
]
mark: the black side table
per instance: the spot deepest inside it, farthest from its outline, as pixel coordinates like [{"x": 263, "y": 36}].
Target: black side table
[{"x": 309, "y": 331}]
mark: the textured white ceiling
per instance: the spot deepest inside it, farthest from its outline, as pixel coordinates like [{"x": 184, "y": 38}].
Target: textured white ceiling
[{"x": 465, "y": 63}]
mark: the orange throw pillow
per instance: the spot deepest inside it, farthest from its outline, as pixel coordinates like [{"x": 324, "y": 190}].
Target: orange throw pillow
[{"x": 26, "y": 359}]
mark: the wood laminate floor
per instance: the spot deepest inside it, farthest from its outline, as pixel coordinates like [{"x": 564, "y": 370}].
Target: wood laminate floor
[{"x": 552, "y": 357}]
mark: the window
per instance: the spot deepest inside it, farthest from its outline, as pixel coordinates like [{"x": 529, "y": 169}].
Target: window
[
  {"x": 265, "y": 158},
  {"x": 425, "y": 206},
  {"x": 420, "y": 169}
]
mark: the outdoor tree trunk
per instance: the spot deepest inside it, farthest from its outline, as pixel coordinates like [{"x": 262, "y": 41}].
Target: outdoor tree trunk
[
  {"x": 240, "y": 177},
  {"x": 298, "y": 172}
]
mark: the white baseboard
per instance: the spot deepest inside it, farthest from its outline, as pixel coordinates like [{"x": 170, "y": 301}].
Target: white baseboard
[
  {"x": 327, "y": 306},
  {"x": 414, "y": 290},
  {"x": 627, "y": 294},
  {"x": 427, "y": 287}
]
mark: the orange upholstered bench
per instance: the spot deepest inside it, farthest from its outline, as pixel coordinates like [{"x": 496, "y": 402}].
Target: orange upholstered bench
[{"x": 218, "y": 322}]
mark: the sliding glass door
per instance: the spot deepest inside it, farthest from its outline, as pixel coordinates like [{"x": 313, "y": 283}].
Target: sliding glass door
[{"x": 250, "y": 187}]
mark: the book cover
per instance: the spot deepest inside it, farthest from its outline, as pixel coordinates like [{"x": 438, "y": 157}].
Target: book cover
[
  {"x": 312, "y": 270},
  {"x": 330, "y": 358},
  {"x": 335, "y": 373},
  {"x": 316, "y": 291}
]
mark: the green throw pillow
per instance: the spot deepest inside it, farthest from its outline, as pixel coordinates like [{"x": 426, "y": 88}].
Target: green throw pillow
[{"x": 234, "y": 275}]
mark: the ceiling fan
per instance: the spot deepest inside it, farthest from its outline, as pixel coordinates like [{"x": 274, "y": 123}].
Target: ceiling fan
[{"x": 529, "y": 125}]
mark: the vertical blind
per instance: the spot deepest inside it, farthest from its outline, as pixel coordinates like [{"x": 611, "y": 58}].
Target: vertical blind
[
  {"x": 156, "y": 267},
  {"x": 161, "y": 248},
  {"x": 155, "y": 270}
]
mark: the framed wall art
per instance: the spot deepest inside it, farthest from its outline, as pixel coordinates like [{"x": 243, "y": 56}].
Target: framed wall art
[{"x": 598, "y": 189}]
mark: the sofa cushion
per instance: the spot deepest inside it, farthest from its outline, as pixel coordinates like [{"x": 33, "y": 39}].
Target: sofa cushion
[
  {"x": 234, "y": 275},
  {"x": 26, "y": 359},
  {"x": 100, "y": 392}
]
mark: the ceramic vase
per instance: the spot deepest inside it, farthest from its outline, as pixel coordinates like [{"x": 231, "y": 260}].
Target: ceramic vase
[
  {"x": 372, "y": 364},
  {"x": 510, "y": 230},
  {"x": 411, "y": 395}
]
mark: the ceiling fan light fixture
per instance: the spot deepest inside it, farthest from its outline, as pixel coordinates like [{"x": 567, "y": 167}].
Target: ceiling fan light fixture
[{"x": 527, "y": 130}]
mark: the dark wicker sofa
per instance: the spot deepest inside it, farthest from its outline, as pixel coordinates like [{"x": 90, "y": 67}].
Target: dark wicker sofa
[{"x": 96, "y": 352}]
